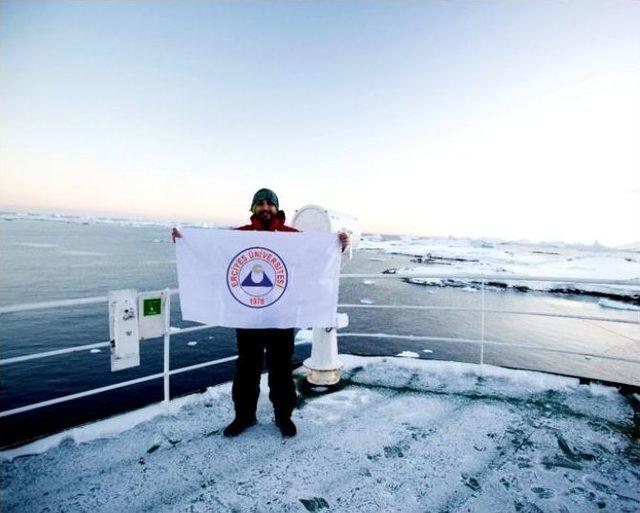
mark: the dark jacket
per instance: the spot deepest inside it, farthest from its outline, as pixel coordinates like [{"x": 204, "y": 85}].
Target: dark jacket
[{"x": 275, "y": 225}]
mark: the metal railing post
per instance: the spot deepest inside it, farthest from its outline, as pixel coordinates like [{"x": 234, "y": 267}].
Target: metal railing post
[
  {"x": 482, "y": 331},
  {"x": 167, "y": 347},
  {"x": 166, "y": 367}
]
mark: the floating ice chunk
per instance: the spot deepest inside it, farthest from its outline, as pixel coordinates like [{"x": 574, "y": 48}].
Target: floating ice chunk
[
  {"x": 618, "y": 305},
  {"x": 408, "y": 354},
  {"x": 369, "y": 282},
  {"x": 192, "y": 343},
  {"x": 376, "y": 259},
  {"x": 366, "y": 301},
  {"x": 427, "y": 351},
  {"x": 95, "y": 350},
  {"x": 36, "y": 244},
  {"x": 160, "y": 262},
  {"x": 78, "y": 252},
  {"x": 304, "y": 335},
  {"x": 469, "y": 289}
]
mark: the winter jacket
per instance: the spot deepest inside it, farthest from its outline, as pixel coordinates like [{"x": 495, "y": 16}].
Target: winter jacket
[{"x": 275, "y": 225}]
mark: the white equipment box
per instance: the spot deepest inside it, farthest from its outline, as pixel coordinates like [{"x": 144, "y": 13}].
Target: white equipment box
[
  {"x": 153, "y": 309},
  {"x": 134, "y": 317},
  {"x": 123, "y": 329}
]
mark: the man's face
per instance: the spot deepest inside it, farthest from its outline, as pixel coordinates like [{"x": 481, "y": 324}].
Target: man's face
[{"x": 265, "y": 210}]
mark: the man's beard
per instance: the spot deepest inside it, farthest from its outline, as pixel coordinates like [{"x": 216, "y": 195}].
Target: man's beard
[{"x": 265, "y": 217}]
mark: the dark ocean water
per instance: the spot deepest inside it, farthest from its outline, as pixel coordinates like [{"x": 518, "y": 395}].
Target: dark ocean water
[{"x": 49, "y": 260}]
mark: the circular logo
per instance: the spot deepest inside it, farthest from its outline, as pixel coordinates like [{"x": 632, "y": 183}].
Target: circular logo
[{"x": 257, "y": 277}]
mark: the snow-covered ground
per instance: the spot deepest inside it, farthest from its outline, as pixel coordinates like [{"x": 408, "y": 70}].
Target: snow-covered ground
[
  {"x": 504, "y": 259},
  {"x": 402, "y": 435}
]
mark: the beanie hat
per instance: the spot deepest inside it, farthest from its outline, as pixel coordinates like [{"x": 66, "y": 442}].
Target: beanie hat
[{"x": 265, "y": 194}]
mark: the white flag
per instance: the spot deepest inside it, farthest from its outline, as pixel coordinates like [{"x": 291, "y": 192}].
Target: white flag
[{"x": 256, "y": 279}]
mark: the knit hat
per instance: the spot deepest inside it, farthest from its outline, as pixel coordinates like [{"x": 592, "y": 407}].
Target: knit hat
[{"x": 265, "y": 194}]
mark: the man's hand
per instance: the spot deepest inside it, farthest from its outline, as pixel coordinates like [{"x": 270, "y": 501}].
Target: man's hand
[
  {"x": 175, "y": 234},
  {"x": 344, "y": 240}
]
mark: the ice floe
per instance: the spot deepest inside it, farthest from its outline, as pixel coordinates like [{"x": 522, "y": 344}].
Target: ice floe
[
  {"x": 30, "y": 216},
  {"x": 304, "y": 335},
  {"x": 408, "y": 354},
  {"x": 618, "y": 305},
  {"x": 453, "y": 258}
]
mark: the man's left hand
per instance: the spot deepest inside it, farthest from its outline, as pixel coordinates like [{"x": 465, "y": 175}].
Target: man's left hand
[{"x": 344, "y": 240}]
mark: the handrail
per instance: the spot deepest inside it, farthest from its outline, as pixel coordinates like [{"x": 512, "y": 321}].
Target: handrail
[
  {"x": 122, "y": 384},
  {"x": 97, "y": 345},
  {"x": 489, "y": 342},
  {"x": 492, "y": 310},
  {"x": 167, "y": 372}
]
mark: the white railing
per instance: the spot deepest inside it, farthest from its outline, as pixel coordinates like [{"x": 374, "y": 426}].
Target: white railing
[{"x": 481, "y": 278}]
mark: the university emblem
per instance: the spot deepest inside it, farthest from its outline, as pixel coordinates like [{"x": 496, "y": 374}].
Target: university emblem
[{"x": 257, "y": 277}]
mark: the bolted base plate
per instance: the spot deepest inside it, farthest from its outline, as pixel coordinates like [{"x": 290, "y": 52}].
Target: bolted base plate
[{"x": 323, "y": 377}]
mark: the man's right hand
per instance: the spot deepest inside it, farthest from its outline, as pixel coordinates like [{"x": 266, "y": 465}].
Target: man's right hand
[{"x": 175, "y": 234}]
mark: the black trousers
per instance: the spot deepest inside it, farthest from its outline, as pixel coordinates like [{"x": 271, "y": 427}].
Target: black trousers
[{"x": 246, "y": 384}]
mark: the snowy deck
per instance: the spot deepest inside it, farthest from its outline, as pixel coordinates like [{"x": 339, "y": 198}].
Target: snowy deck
[{"x": 402, "y": 435}]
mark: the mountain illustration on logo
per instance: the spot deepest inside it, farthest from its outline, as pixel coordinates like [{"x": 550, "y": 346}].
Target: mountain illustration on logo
[{"x": 256, "y": 278}]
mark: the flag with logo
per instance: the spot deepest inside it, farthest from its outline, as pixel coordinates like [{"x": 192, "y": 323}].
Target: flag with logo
[{"x": 254, "y": 279}]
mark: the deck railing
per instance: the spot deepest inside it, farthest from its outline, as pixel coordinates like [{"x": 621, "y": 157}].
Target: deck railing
[{"x": 480, "y": 279}]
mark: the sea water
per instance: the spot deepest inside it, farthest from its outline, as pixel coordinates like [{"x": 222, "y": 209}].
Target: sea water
[{"x": 44, "y": 260}]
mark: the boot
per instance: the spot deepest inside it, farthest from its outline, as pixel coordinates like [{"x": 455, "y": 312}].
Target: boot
[
  {"x": 238, "y": 426},
  {"x": 287, "y": 427}
]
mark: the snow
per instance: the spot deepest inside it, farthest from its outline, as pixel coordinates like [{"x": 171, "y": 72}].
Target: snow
[
  {"x": 402, "y": 435},
  {"x": 459, "y": 256},
  {"x": 369, "y": 282}
]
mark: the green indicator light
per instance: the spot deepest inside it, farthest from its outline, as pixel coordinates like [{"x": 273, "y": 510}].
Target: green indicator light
[{"x": 152, "y": 306}]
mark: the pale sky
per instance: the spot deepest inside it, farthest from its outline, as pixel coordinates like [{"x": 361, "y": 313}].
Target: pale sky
[{"x": 513, "y": 119}]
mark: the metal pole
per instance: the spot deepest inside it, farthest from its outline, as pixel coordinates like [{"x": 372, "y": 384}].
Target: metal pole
[
  {"x": 482, "y": 332},
  {"x": 166, "y": 367},
  {"x": 167, "y": 345}
]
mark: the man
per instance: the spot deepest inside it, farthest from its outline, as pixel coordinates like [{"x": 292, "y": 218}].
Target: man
[{"x": 252, "y": 343}]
